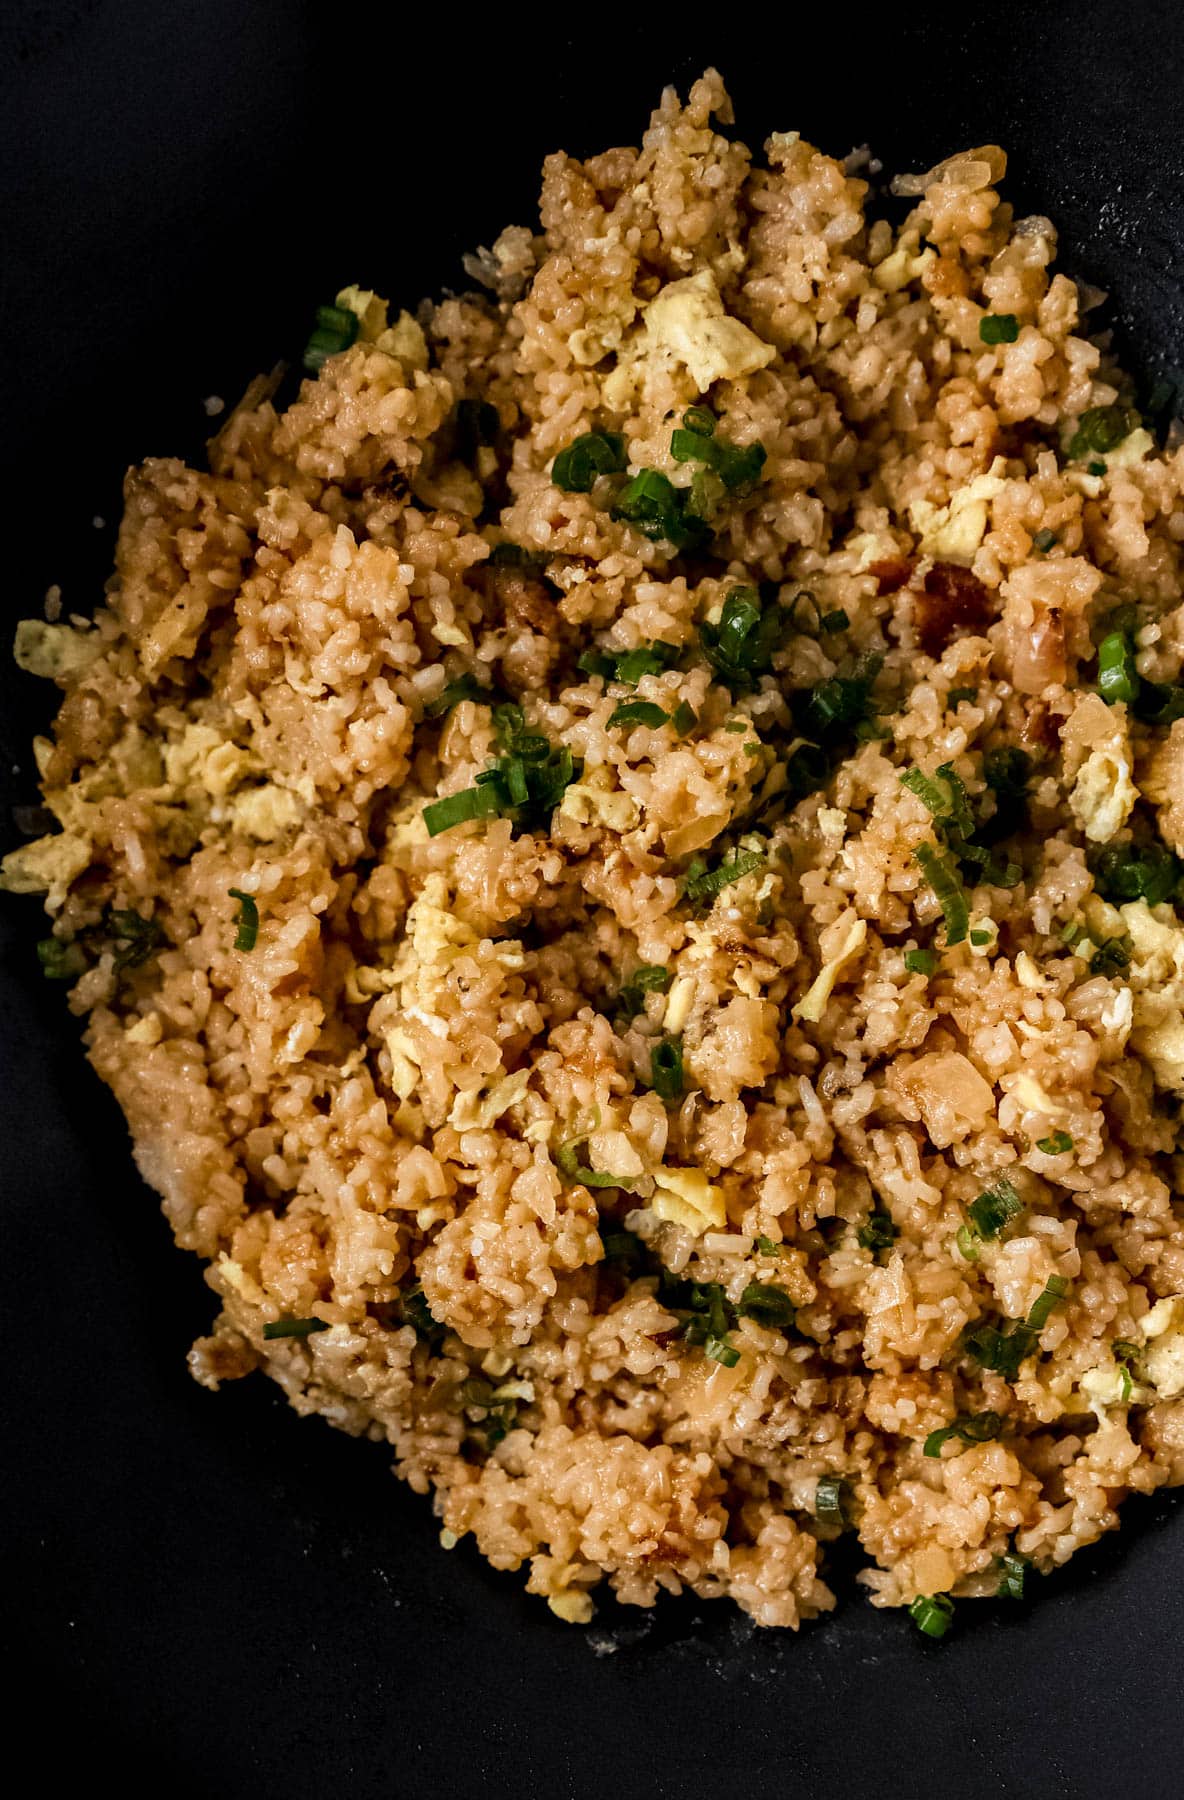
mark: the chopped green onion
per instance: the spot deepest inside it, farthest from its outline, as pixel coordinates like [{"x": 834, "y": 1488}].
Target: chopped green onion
[
  {"x": 1095, "y": 468},
  {"x": 1058, "y": 1144},
  {"x": 1111, "y": 957},
  {"x": 666, "y": 1072},
  {"x": 972, "y": 1428},
  {"x": 998, "y": 328},
  {"x": 294, "y": 1328},
  {"x": 1127, "y": 1356},
  {"x": 248, "y": 919},
  {"x": 932, "y": 794},
  {"x": 738, "y": 469},
  {"x": 920, "y": 962},
  {"x": 832, "y": 1500},
  {"x": 932, "y": 1613},
  {"x": 639, "y": 712},
  {"x": 843, "y": 704},
  {"x": 879, "y": 1233},
  {"x": 591, "y": 454},
  {"x": 768, "y": 1305},
  {"x": 979, "y": 938},
  {"x": 701, "y": 420},
  {"x": 943, "y": 879},
  {"x": 1124, "y": 872},
  {"x": 1005, "y": 1347},
  {"x": 1044, "y": 540},
  {"x": 649, "y": 978},
  {"x": 1012, "y": 1569},
  {"x": 465, "y": 687},
  {"x": 1118, "y": 678},
  {"x": 1043, "y": 1307},
  {"x": 567, "y": 1161},
  {"x": 525, "y": 783},
  {"x": 655, "y": 507},
  {"x": 968, "y": 1243},
  {"x": 336, "y": 329},
  {"x": 1102, "y": 429},
  {"x": 994, "y": 1209},
  {"x": 956, "y": 696},
  {"x": 628, "y": 666},
  {"x": 684, "y": 718},
  {"x": 136, "y": 937},
  {"x": 720, "y": 1351},
  {"x": 741, "y": 646},
  {"x": 454, "y": 809},
  {"x": 701, "y": 885},
  {"x": 1072, "y": 933},
  {"x": 837, "y": 620},
  {"x": 767, "y": 1247},
  {"x": 61, "y": 959}
]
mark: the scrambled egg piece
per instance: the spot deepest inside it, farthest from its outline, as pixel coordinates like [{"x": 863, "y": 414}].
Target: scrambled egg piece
[
  {"x": 54, "y": 651},
  {"x": 202, "y": 757},
  {"x": 434, "y": 937},
  {"x": 1133, "y": 448},
  {"x": 403, "y": 339},
  {"x": 1156, "y": 977},
  {"x": 686, "y": 324},
  {"x": 1163, "y": 1359},
  {"x": 954, "y": 532},
  {"x": 478, "y": 1110},
  {"x": 266, "y": 812},
  {"x": 679, "y": 1002},
  {"x": 46, "y": 866},
  {"x": 904, "y": 264},
  {"x": 596, "y": 800},
  {"x": 1103, "y": 795},
  {"x": 686, "y": 1197},
  {"x": 812, "y": 1004}
]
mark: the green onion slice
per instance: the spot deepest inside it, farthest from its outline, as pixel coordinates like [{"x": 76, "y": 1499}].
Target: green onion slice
[
  {"x": 247, "y": 921},
  {"x": 1012, "y": 1569},
  {"x": 666, "y": 1071},
  {"x": 932, "y": 1613},
  {"x": 943, "y": 879},
  {"x": 999, "y": 328},
  {"x": 832, "y": 1500},
  {"x": 1118, "y": 678},
  {"x": 593, "y": 453},
  {"x": 294, "y": 1328},
  {"x": 972, "y": 1428},
  {"x": 639, "y": 712}
]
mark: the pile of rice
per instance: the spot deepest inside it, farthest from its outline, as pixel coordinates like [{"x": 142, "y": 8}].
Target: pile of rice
[{"x": 668, "y": 1322}]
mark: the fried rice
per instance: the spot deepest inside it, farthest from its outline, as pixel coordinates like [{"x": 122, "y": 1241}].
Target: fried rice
[{"x": 619, "y": 855}]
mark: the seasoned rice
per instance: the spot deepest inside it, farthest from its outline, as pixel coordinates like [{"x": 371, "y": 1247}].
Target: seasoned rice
[{"x": 904, "y": 1161}]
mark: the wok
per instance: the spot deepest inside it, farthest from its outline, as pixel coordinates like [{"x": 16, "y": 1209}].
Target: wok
[{"x": 210, "y": 1591}]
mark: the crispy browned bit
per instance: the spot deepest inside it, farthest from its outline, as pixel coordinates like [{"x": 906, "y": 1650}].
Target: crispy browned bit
[
  {"x": 526, "y": 599},
  {"x": 1041, "y": 730},
  {"x": 952, "y": 603},
  {"x": 946, "y": 279},
  {"x": 892, "y": 573}
]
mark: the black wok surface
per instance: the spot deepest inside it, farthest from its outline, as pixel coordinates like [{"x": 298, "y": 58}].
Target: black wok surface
[{"x": 207, "y": 1590}]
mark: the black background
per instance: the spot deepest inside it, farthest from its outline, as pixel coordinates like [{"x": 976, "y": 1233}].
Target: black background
[{"x": 206, "y": 1589}]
